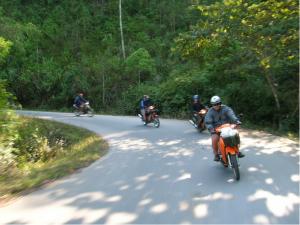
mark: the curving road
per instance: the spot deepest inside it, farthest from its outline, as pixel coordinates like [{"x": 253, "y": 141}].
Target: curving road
[{"x": 166, "y": 175}]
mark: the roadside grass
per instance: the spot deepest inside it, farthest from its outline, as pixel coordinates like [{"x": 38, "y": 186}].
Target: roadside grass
[
  {"x": 294, "y": 136},
  {"x": 81, "y": 148},
  {"x": 286, "y": 134}
]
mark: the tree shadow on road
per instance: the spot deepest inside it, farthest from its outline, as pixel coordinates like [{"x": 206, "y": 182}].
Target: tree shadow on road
[{"x": 169, "y": 177}]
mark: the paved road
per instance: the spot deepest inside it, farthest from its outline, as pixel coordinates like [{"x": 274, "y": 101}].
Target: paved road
[{"x": 167, "y": 175}]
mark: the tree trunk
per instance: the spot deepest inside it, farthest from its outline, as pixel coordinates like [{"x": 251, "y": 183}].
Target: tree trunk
[
  {"x": 103, "y": 89},
  {"x": 37, "y": 58},
  {"x": 139, "y": 78},
  {"x": 160, "y": 13},
  {"x": 296, "y": 109},
  {"x": 121, "y": 29},
  {"x": 274, "y": 91},
  {"x": 174, "y": 16}
]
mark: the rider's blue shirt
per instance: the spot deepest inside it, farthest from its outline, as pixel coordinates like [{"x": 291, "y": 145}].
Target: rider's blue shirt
[
  {"x": 145, "y": 103},
  {"x": 79, "y": 101}
]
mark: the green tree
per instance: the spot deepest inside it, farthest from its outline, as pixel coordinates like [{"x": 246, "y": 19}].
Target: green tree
[
  {"x": 5, "y": 46},
  {"x": 139, "y": 63},
  {"x": 242, "y": 40}
]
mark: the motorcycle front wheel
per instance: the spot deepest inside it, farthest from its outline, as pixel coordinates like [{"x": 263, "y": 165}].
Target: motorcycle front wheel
[
  {"x": 90, "y": 112},
  {"x": 156, "y": 122},
  {"x": 235, "y": 166}
]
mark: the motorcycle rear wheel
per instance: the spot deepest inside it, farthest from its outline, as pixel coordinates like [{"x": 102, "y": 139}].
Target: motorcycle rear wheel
[
  {"x": 235, "y": 166},
  {"x": 77, "y": 112}
]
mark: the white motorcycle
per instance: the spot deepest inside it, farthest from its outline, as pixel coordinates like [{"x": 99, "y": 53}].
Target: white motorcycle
[{"x": 83, "y": 109}]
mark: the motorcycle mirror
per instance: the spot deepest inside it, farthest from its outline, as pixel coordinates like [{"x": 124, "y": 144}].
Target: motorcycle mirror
[{"x": 240, "y": 115}]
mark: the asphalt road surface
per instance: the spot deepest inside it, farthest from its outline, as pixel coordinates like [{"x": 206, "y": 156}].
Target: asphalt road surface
[{"x": 166, "y": 175}]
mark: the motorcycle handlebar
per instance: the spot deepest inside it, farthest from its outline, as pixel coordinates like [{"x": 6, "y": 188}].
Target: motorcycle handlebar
[{"x": 233, "y": 126}]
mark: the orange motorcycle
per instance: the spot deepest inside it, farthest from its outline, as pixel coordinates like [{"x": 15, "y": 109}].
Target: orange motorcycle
[
  {"x": 198, "y": 120},
  {"x": 229, "y": 143},
  {"x": 201, "y": 124},
  {"x": 151, "y": 117}
]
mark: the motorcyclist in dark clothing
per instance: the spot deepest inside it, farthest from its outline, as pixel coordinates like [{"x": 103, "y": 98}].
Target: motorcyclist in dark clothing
[
  {"x": 79, "y": 100},
  {"x": 144, "y": 104},
  {"x": 196, "y": 107}
]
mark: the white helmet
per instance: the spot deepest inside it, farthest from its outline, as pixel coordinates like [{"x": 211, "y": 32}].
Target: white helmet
[{"x": 215, "y": 100}]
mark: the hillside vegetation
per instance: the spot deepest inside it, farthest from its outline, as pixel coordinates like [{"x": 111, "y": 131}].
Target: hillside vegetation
[
  {"x": 35, "y": 151},
  {"x": 244, "y": 51}
]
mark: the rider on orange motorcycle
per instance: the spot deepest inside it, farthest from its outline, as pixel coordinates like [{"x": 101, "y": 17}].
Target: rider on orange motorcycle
[
  {"x": 144, "y": 105},
  {"x": 196, "y": 107},
  {"x": 218, "y": 115}
]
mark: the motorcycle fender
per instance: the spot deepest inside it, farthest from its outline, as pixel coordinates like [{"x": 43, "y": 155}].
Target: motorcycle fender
[
  {"x": 225, "y": 150},
  {"x": 231, "y": 150},
  {"x": 235, "y": 154},
  {"x": 222, "y": 150}
]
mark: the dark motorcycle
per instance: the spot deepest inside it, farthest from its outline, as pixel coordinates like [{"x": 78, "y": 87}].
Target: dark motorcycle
[
  {"x": 198, "y": 120},
  {"x": 151, "y": 117},
  {"x": 83, "y": 109}
]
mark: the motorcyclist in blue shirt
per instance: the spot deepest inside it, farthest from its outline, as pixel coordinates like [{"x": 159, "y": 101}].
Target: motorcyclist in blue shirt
[
  {"x": 79, "y": 100},
  {"x": 144, "y": 104}
]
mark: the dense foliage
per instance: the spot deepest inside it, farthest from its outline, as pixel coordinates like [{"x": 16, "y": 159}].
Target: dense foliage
[
  {"x": 34, "y": 140},
  {"x": 244, "y": 51},
  {"x": 253, "y": 45}
]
